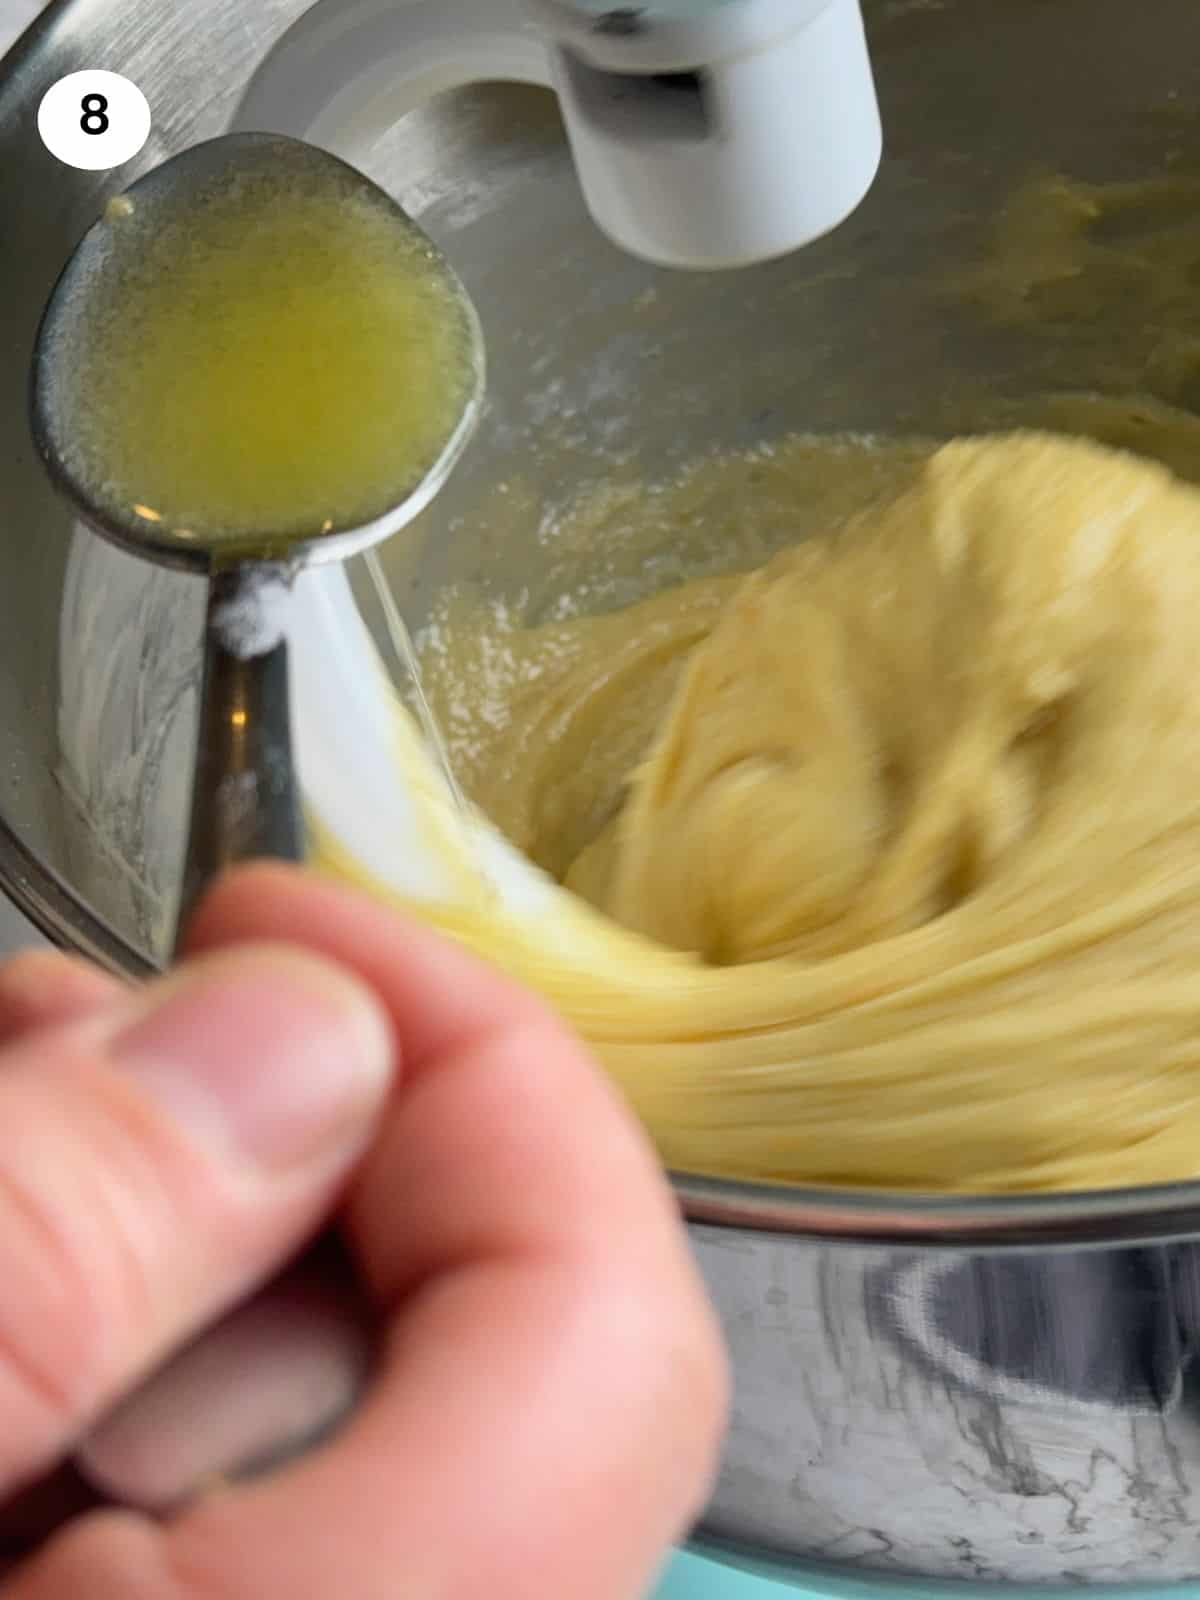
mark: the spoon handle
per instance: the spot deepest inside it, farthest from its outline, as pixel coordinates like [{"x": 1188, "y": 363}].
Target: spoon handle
[{"x": 245, "y": 803}]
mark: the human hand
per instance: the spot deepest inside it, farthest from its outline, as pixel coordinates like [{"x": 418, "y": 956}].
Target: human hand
[{"x": 541, "y": 1415}]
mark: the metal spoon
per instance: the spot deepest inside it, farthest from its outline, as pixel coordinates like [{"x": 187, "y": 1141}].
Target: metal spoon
[{"x": 244, "y": 795}]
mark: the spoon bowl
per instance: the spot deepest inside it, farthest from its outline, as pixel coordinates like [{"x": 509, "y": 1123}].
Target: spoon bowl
[{"x": 180, "y": 298}]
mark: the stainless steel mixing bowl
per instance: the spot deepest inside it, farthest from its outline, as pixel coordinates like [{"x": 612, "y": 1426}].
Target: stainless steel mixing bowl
[{"x": 964, "y": 1391}]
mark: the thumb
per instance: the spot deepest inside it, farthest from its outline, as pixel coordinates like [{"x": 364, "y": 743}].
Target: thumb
[{"x": 160, "y": 1160}]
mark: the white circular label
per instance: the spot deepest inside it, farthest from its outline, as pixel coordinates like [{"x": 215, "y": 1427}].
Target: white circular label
[{"x": 94, "y": 120}]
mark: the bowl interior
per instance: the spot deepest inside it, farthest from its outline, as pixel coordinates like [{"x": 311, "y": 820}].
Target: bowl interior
[{"x": 1029, "y": 254}]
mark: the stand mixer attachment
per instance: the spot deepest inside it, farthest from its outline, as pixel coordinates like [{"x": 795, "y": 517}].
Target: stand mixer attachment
[
  {"x": 268, "y": 405},
  {"x": 705, "y": 134}
]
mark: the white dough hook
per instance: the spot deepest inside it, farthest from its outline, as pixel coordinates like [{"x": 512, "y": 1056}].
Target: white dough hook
[{"x": 706, "y": 133}]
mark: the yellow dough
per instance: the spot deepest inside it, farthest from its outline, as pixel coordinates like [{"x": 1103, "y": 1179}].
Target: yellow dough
[{"x": 892, "y": 847}]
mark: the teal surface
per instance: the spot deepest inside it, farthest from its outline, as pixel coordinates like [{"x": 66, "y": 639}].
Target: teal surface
[{"x": 690, "y": 1578}]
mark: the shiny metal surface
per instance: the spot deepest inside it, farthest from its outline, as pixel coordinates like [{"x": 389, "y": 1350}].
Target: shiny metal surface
[
  {"x": 952, "y": 1390},
  {"x": 1013, "y": 1417},
  {"x": 245, "y": 802}
]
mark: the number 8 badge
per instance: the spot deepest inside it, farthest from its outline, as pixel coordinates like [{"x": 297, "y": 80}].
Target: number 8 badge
[{"x": 94, "y": 120}]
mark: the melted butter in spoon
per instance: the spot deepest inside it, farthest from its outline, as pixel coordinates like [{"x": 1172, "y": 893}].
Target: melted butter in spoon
[{"x": 276, "y": 360}]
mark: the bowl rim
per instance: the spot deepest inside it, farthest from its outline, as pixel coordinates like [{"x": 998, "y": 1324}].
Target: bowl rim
[
  {"x": 1085, "y": 1219},
  {"x": 1153, "y": 1214},
  {"x": 46, "y": 900}
]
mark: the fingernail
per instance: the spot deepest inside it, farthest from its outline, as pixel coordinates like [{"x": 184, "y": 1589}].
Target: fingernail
[{"x": 275, "y": 1059}]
